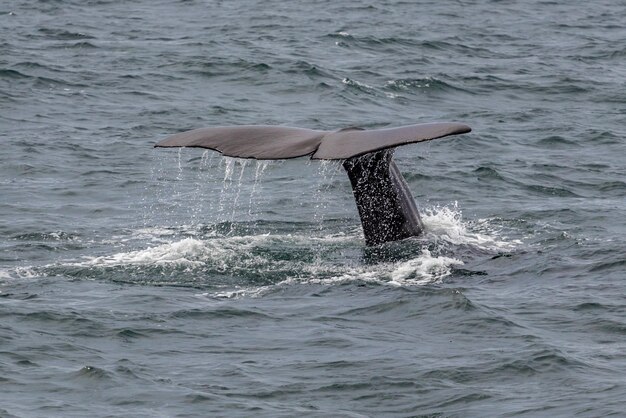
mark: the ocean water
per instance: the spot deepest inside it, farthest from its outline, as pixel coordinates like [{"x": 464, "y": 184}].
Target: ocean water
[{"x": 142, "y": 282}]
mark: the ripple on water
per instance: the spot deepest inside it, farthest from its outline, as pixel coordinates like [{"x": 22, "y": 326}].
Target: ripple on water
[
  {"x": 421, "y": 84},
  {"x": 91, "y": 373},
  {"x": 63, "y": 34}
]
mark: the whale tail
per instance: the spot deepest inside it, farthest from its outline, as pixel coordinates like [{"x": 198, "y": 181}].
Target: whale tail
[{"x": 385, "y": 204}]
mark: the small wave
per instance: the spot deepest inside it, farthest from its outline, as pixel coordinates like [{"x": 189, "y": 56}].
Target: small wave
[
  {"x": 64, "y": 35},
  {"x": 310, "y": 70},
  {"x": 45, "y": 236},
  {"x": 613, "y": 186},
  {"x": 427, "y": 83},
  {"x": 92, "y": 373},
  {"x": 357, "y": 85},
  {"x": 488, "y": 173},
  {"x": 38, "y": 81},
  {"x": 83, "y": 45},
  {"x": 603, "y": 137},
  {"x": 223, "y": 67},
  {"x": 556, "y": 141},
  {"x": 370, "y": 42},
  {"x": 12, "y": 74},
  {"x": 609, "y": 265},
  {"x": 550, "y": 191},
  {"x": 33, "y": 65}
]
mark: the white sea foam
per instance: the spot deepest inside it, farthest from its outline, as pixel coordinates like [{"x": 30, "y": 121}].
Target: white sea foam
[
  {"x": 350, "y": 82},
  {"x": 18, "y": 273},
  {"x": 181, "y": 252},
  {"x": 445, "y": 223},
  {"x": 423, "y": 269},
  {"x": 250, "y": 292},
  {"x": 420, "y": 270},
  {"x": 185, "y": 252}
]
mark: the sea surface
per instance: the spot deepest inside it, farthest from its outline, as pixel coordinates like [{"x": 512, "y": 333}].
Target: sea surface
[{"x": 142, "y": 282}]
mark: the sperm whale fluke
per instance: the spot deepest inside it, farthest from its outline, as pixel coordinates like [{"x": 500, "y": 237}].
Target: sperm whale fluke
[{"x": 386, "y": 206}]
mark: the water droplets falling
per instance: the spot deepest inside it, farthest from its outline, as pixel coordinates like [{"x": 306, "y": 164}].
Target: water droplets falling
[
  {"x": 327, "y": 171},
  {"x": 260, "y": 168},
  {"x": 228, "y": 165},
  {"x": 229, "y": 168},
  {"x": 236, "y": 185},
  {"x": 242, "y": 167},
  {"x": 205, "y": 160},
  {"x": 180, "y": 166},
  {"x": 205, "y": 175},
  {"x": 197, "y": 193}
]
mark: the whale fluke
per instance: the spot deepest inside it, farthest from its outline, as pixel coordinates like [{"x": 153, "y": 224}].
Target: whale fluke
[
  {"x": 386, "y": 207},
  {"x": 268, "y": 142}
]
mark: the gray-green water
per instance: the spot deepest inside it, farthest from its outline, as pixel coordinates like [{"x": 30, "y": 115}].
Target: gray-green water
[{"x": 137, "y": 282}]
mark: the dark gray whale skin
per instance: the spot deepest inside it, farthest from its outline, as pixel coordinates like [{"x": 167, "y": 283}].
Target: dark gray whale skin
[{"x": 385, "y": 204}]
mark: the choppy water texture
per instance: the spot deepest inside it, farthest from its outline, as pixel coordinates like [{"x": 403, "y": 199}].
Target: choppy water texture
[{"x": 137, "y": 282}]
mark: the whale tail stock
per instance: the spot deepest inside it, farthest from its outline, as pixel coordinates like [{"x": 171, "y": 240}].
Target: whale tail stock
[{"x": 385, "y": 204}]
